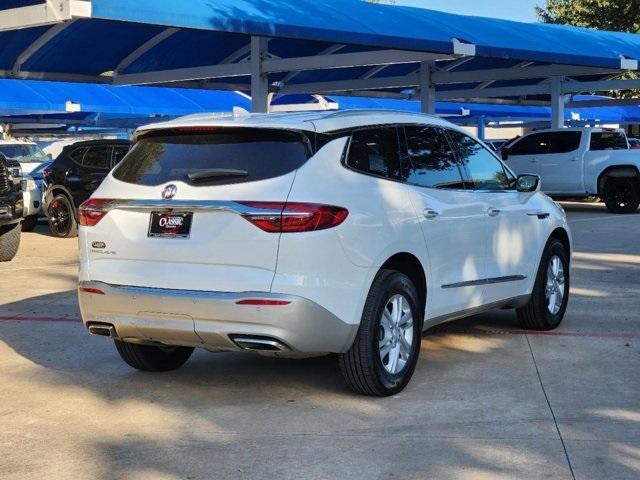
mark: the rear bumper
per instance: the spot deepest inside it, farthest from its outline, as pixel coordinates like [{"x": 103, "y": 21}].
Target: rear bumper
[{"x": 211, "y": 319}]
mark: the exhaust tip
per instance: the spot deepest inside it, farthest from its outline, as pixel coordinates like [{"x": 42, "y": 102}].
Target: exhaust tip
[
  {"x": 102, "y": 329},
  {"x": 259, "y": 344}
]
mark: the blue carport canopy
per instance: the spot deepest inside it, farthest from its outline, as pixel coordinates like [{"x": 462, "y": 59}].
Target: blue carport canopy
[
  {"x": 56, "y": 101},
  {"x": 309, "y": 46}
]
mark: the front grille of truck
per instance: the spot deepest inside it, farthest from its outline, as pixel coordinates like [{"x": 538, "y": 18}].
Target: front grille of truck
[{"x": 5, "y": 183}]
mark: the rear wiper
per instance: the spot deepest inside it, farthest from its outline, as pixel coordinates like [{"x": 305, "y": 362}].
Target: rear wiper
[{"x": 216, "y": 173}]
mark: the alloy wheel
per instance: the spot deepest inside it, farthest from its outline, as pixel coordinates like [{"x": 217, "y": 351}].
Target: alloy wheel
[{"x": 395, "y": 336}]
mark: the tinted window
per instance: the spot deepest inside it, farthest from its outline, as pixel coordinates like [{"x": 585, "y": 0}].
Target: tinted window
[
  {"x": 97, "y": 157},
  {"x": 608, "y": 141},
  {"x": 77, "y": 154},
  {"x": 221, "y": 158},
  {"x": 484, "y": 170},
  {"x": 533, "y": 144},
  {"x": 564, "y": 142},
  {"x": 376, "y": 152},
  {"x": 546, "y": 142},
  {"x": 118, "y": 154},
  {"x": 431, "y": 160}
]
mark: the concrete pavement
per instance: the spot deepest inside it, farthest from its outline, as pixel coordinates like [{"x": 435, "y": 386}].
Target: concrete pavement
[{"x": 486, "y": 402}]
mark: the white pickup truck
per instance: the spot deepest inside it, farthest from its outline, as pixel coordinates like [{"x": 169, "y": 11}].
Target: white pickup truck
[{"x": 580, "y": 163}]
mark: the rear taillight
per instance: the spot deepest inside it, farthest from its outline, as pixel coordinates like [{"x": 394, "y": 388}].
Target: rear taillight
[
  {"x": 94, "y": 291},
  {"x": 275, "y": 217},
  {"x": 92, "y": 211}
]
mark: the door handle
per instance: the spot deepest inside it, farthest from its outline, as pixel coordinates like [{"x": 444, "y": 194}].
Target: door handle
[
  {"x": 430, "y": 214},
  {"x": 493, "y": 212}
]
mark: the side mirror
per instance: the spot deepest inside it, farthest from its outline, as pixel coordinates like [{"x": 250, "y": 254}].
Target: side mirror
[
  {"x": 504, "y": 153},
  {"x": 528, "y": 183}
]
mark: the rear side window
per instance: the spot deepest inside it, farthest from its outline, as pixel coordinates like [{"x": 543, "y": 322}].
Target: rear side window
[
  {"x": 97, "y": 157},
  {"x": 564, "y": 142},
  {"x": 223, "y": 157},
  {"x": 546, "y": 142},
  {"x": 77, "y": 154},
  {"x": 431, "y": 160},
  {"x": 608, "y": 141},
  {"x": 375, "y": 152},
  {"x": 483, "y": 170},
  {"x": 533, "y": 144}
]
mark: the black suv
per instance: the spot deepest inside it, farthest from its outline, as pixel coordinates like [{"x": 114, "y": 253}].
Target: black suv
[
  {"x": 11, "y": 207},
  {"x": 74, "y": 176}
]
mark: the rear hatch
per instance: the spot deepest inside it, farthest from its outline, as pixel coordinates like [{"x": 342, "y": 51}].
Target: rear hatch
[{"x": 182, "y": 210}]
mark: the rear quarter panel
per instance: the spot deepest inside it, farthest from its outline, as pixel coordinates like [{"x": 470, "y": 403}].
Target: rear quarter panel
[{"x": 336, "y": 267}]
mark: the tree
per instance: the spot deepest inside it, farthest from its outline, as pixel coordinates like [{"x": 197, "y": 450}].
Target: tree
[{"x": 616, "y": 15}]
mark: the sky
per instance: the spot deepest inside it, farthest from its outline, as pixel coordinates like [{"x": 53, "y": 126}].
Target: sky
[{"x": 521, "y": 10}]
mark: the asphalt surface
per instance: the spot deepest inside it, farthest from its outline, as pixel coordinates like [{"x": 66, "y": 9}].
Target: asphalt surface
[{"x": 486, "y": 402}]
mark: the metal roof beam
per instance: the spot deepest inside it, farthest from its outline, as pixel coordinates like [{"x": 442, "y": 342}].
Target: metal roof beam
[
  {"x": 328, "y": 51},
  {"x": 48, "y": 13},
  {"x": 518, "y": 91},
  {"x": 412, "y": 80},
  {"x": 40, "y": 42},
  {"x": 518, "y": 73},
  {"x": 55, "y": 77},
  {"x": 609, "y": 102},
  {"x": 348, "y": 60},
  {"x": 144, "y": 48},
  {"x": 606, "y": 85},
  {"x": 184, "y": 74}
]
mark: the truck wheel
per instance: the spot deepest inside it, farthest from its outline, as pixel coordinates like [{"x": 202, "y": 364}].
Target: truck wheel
[
  {"x": 9, "y": 242},
  {"x": 550, "y": 295},
  {"x": 621, "y": 195},
  {"x": 384, "y": 354},
  {"x": 62, "y": 221},
  {"x": 29, "y": 223},
  {"x": 149, "y": 358}
]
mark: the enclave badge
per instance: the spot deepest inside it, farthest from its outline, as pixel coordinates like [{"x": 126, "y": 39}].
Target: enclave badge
[{"x": 169, "y": 192}]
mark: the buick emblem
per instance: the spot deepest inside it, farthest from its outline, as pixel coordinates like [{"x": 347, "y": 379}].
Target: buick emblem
[{"x": 169, "y": 192}]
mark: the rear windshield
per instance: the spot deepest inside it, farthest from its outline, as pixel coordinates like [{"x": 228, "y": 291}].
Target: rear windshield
[
  {"x": 609, "y": 141},
  {"x": 213, "y": 158}
]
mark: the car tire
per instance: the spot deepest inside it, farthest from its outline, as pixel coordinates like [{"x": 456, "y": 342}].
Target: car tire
[
  {"x": 61, "y": 216},
  {"x": 150, "y": 358},
  {"x": 381, "y": 361},
  {"x": 622, "y": 195},
  {"x": 548, "y": 304},
  {"x": 9, "y": 242},
  {"x": 29, "y": 223}
]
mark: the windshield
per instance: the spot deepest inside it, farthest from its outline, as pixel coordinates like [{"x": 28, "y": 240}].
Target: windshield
[{"x": 23, "y": 152}]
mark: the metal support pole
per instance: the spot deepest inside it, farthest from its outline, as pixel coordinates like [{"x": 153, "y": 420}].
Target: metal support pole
[
  {"x": 427, "y": 90},
  {"x": 557, "y": 103},
  {"x": 259, "y": 80},
  {"x": 481, "y": 128}
]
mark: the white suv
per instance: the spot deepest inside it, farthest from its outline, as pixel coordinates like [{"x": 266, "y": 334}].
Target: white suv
[{"x": 315, "y": 233}]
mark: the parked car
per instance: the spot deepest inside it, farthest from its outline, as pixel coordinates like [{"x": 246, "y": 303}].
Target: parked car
[
  {"x": 581, "y": 163},
  {"x": 11, "y": 207},
  {"x": 28, "y": 154},
  {"x": 73, "y": 176},
  {"x": 634, "y": 143},
  {"x": 306, "y": 234},
  {"x": 32, "y": 188}
]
